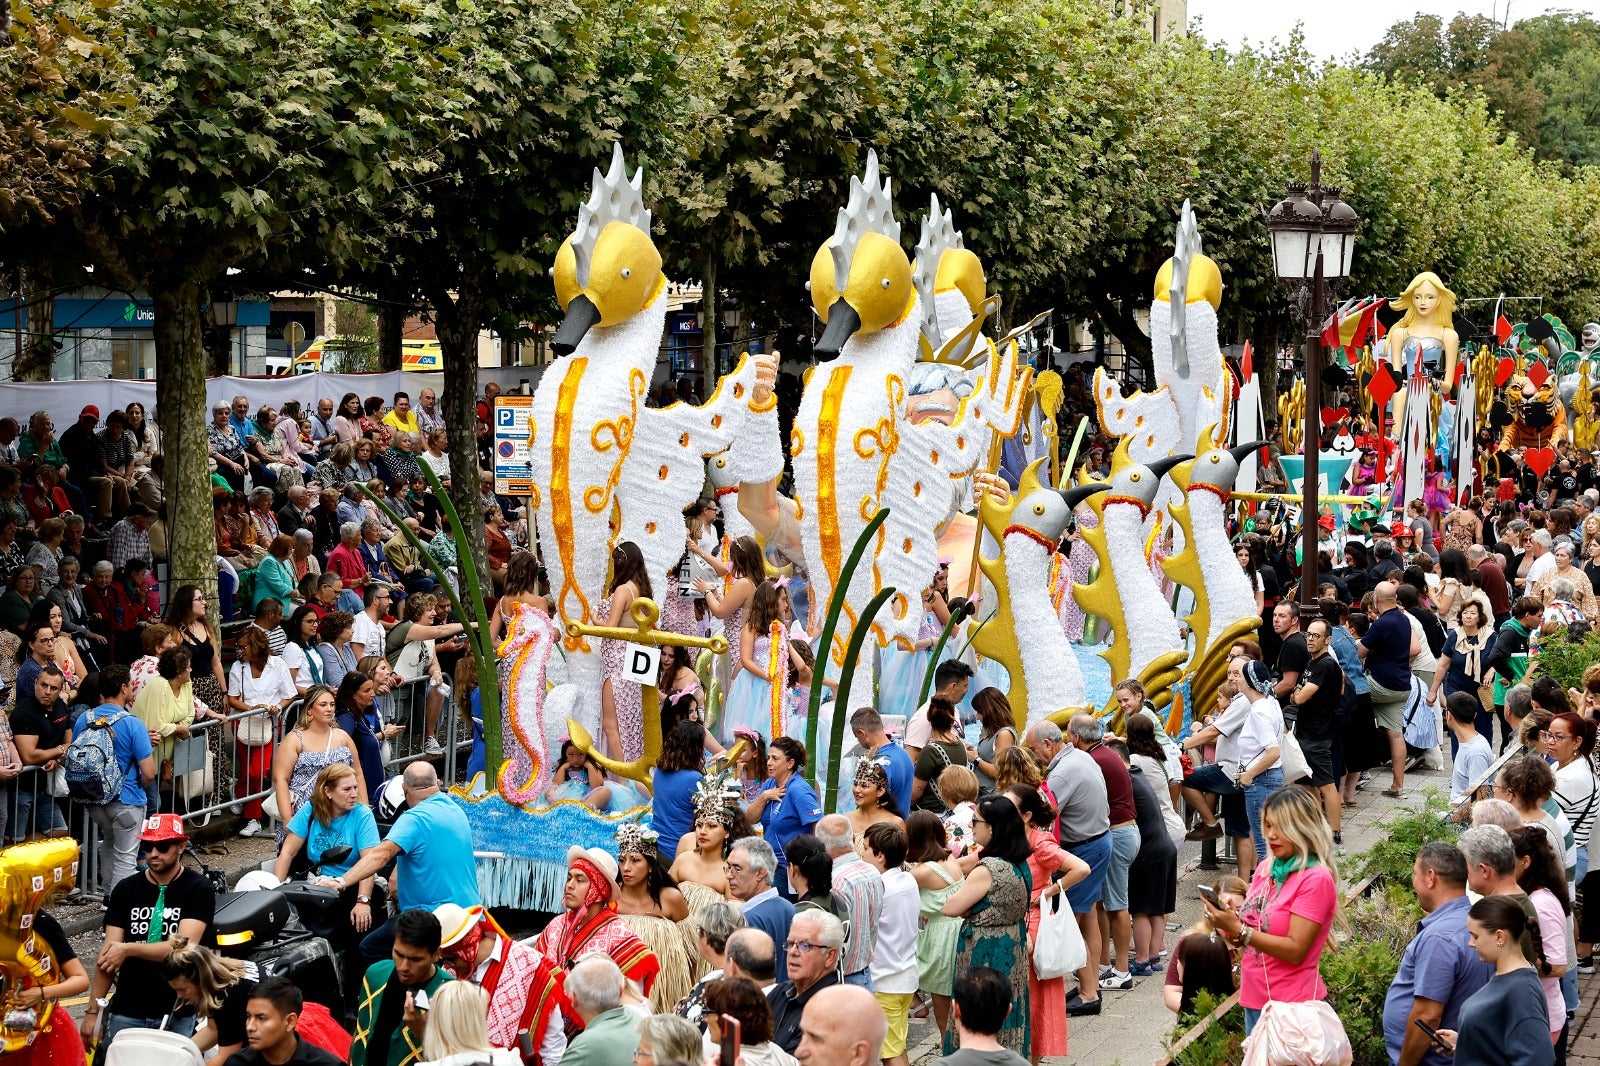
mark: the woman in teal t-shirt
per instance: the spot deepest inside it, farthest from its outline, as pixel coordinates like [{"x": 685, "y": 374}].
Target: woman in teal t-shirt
[{"x": 335, "y": 816}]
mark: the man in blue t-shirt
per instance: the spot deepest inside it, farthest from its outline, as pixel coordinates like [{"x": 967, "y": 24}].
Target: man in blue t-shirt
[
  {"x": 1439, "y": 971},
  {"x": 1386, "y": 651},
  {"x": 432, "y": 843},
  {"x": 867, "y": 725},
  {"x": 121, "y": 820}
]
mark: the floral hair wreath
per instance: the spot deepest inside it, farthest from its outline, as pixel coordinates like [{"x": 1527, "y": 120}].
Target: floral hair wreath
[{"x": 636, "y": 839}]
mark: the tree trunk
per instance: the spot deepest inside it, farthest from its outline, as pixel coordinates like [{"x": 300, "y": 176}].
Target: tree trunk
[
  {"x": 457, "y": 327},
  {"x": 36, "y": 356},
  {"x": 708, "y": 302},
  {"x": 391, "y": 326},
  {"x": 181, "y": 413},
  {"x": 1121, "y": 323}
]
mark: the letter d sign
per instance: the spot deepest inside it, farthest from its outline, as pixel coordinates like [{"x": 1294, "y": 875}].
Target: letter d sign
[{"x": 643, "y": 664}]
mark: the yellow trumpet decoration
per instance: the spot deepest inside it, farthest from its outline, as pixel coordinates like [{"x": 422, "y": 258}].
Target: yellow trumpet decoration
[{"x": 644, "y": 614}]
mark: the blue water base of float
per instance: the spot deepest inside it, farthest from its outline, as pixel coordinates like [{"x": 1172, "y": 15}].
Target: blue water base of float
[
  {"x": 533, "y": 843},
  {"x": 1096, "y": 673}
]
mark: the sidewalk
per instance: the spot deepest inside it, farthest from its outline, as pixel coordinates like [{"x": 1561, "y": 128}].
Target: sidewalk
[
  {"x": 1132, "y": 1027},
  {"x": 1583, "y": 1042}
]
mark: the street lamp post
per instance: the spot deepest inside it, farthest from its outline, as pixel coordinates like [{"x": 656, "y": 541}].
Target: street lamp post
[{"x": 1313, "y": 235}]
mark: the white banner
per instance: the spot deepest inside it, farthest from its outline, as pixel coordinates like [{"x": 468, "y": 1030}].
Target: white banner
[{"x": 64, "y": 399}]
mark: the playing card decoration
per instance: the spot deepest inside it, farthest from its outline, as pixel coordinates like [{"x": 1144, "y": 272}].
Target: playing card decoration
[
  {"x": 1503, "y": 369},
  {"x": 1539, "y": 460},
  {"x": 1538, "y": 373},
  {"x": 1384, "y": 384}
]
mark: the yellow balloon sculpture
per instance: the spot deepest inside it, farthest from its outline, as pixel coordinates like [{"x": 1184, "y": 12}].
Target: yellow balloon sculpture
[{"x": 30, "y": 874}]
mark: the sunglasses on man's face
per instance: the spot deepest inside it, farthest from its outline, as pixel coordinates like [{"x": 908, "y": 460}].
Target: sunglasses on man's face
[{"x": 163, "y": 845}]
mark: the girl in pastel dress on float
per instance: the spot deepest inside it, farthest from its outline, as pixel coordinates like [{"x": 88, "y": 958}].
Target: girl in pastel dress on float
[
  {"x": 621, "y": 702},
  {"x": 749, "y": 568},
  {"x": 749, "y": 703},
  {"x": 900, "y": 680}
]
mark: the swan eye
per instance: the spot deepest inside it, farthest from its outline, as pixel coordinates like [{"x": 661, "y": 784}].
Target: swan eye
[
  {"x": 886, "y": 283},
  {"x": 626, "y": 273}
]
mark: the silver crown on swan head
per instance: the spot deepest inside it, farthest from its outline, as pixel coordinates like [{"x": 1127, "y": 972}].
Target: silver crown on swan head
[
  {"x": 614, "y": 198},
  {"x": 939, "y": 235},
  {"x": 870, "y": 209}
]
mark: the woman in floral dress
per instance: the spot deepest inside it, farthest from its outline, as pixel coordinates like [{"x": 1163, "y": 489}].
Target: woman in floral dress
[{"x": 993, "y": 905}]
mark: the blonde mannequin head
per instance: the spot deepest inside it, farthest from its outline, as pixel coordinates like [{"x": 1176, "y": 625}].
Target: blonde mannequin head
[{"x": 1440, "y": 313}]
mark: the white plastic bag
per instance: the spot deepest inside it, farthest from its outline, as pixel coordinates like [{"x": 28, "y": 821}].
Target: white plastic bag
[
  {"x": 1295, "y": 767},
  {"x": 1058, "y": 949}
]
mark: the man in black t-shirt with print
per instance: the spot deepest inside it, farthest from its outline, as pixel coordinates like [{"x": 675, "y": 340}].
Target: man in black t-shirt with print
[
  {"x": 1316, "y": 700},
  {"x": 41, "y": 726},
  {"x": 142, "y": 913}
]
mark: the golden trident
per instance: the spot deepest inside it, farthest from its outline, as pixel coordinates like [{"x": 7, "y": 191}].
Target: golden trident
[{"x": 644, "y": 614}]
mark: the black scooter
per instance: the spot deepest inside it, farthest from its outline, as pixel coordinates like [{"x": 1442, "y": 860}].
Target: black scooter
[{"x": 290, "y": 931}]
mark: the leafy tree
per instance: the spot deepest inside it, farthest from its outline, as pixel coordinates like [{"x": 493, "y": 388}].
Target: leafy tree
[
  {"x": 782, "y": 99},
  {"x": 258, "y": 134},
  {"x": 61, "y": 96}
]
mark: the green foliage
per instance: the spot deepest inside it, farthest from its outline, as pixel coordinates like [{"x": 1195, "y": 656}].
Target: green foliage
[
  {"x": 1564, "y": 661},
  {"x": 1361, "y": 960},
  {"x": 1540, "y": 77},
  {"x": 1391, "y": 859},
  {"x": 1222, "y": 1043}
]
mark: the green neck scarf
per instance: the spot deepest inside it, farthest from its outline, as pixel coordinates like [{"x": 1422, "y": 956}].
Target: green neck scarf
[{"x": 1282, "y": 868}]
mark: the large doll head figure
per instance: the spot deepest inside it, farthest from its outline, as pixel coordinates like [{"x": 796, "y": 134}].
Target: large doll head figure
[{"x": 1427, "y": 300}]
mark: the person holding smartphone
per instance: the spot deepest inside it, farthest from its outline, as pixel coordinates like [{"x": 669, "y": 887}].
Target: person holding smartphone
[
  {"x": 1503, "y": 1022},
  {"x": 739, "y": 1024}
]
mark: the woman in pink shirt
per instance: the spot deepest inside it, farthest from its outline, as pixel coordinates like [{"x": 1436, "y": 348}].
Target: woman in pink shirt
[{"x": 1288, "y": 914}]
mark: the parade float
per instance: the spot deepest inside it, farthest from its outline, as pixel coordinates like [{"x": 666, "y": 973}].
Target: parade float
[
  {"x": 31, "y": 876},
  {"x": 918, "y": 438}
]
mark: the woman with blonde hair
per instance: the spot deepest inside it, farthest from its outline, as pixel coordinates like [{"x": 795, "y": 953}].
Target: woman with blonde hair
[
  {"x": 216, "y": 988},
  {"x": 335, "y": 816},
  {"x": 1289, "y": 912},
  {"x": 458, "y": 1029},
  {"x": 314, "y": 744},
  {"x": 1423, "y": 332},
  {"x": 1016, "y": 766}
]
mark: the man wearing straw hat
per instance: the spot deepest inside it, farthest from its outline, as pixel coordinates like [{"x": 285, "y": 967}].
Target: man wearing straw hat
[{"x": 524, "y": 987}]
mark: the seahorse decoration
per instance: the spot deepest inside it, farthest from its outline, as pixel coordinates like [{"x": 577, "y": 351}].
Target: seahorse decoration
[
  {"x": 855, "y": 449},
  {"x": 524, "y": 654},
  {"x": 30, "y": 876},
  {"x": 1025, "y": 634},
  {"x": 605, "y": 467}
]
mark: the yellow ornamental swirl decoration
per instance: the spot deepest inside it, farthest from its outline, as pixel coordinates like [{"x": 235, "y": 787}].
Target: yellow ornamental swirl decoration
[
  {"x": 597, "y": 497},
  {"x": 827, "y": 475},
  {"x": 561, "y": 499}
]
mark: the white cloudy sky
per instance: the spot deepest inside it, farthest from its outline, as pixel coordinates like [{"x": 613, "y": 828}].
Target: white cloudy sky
[{"x": 1335, "y": 30}]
